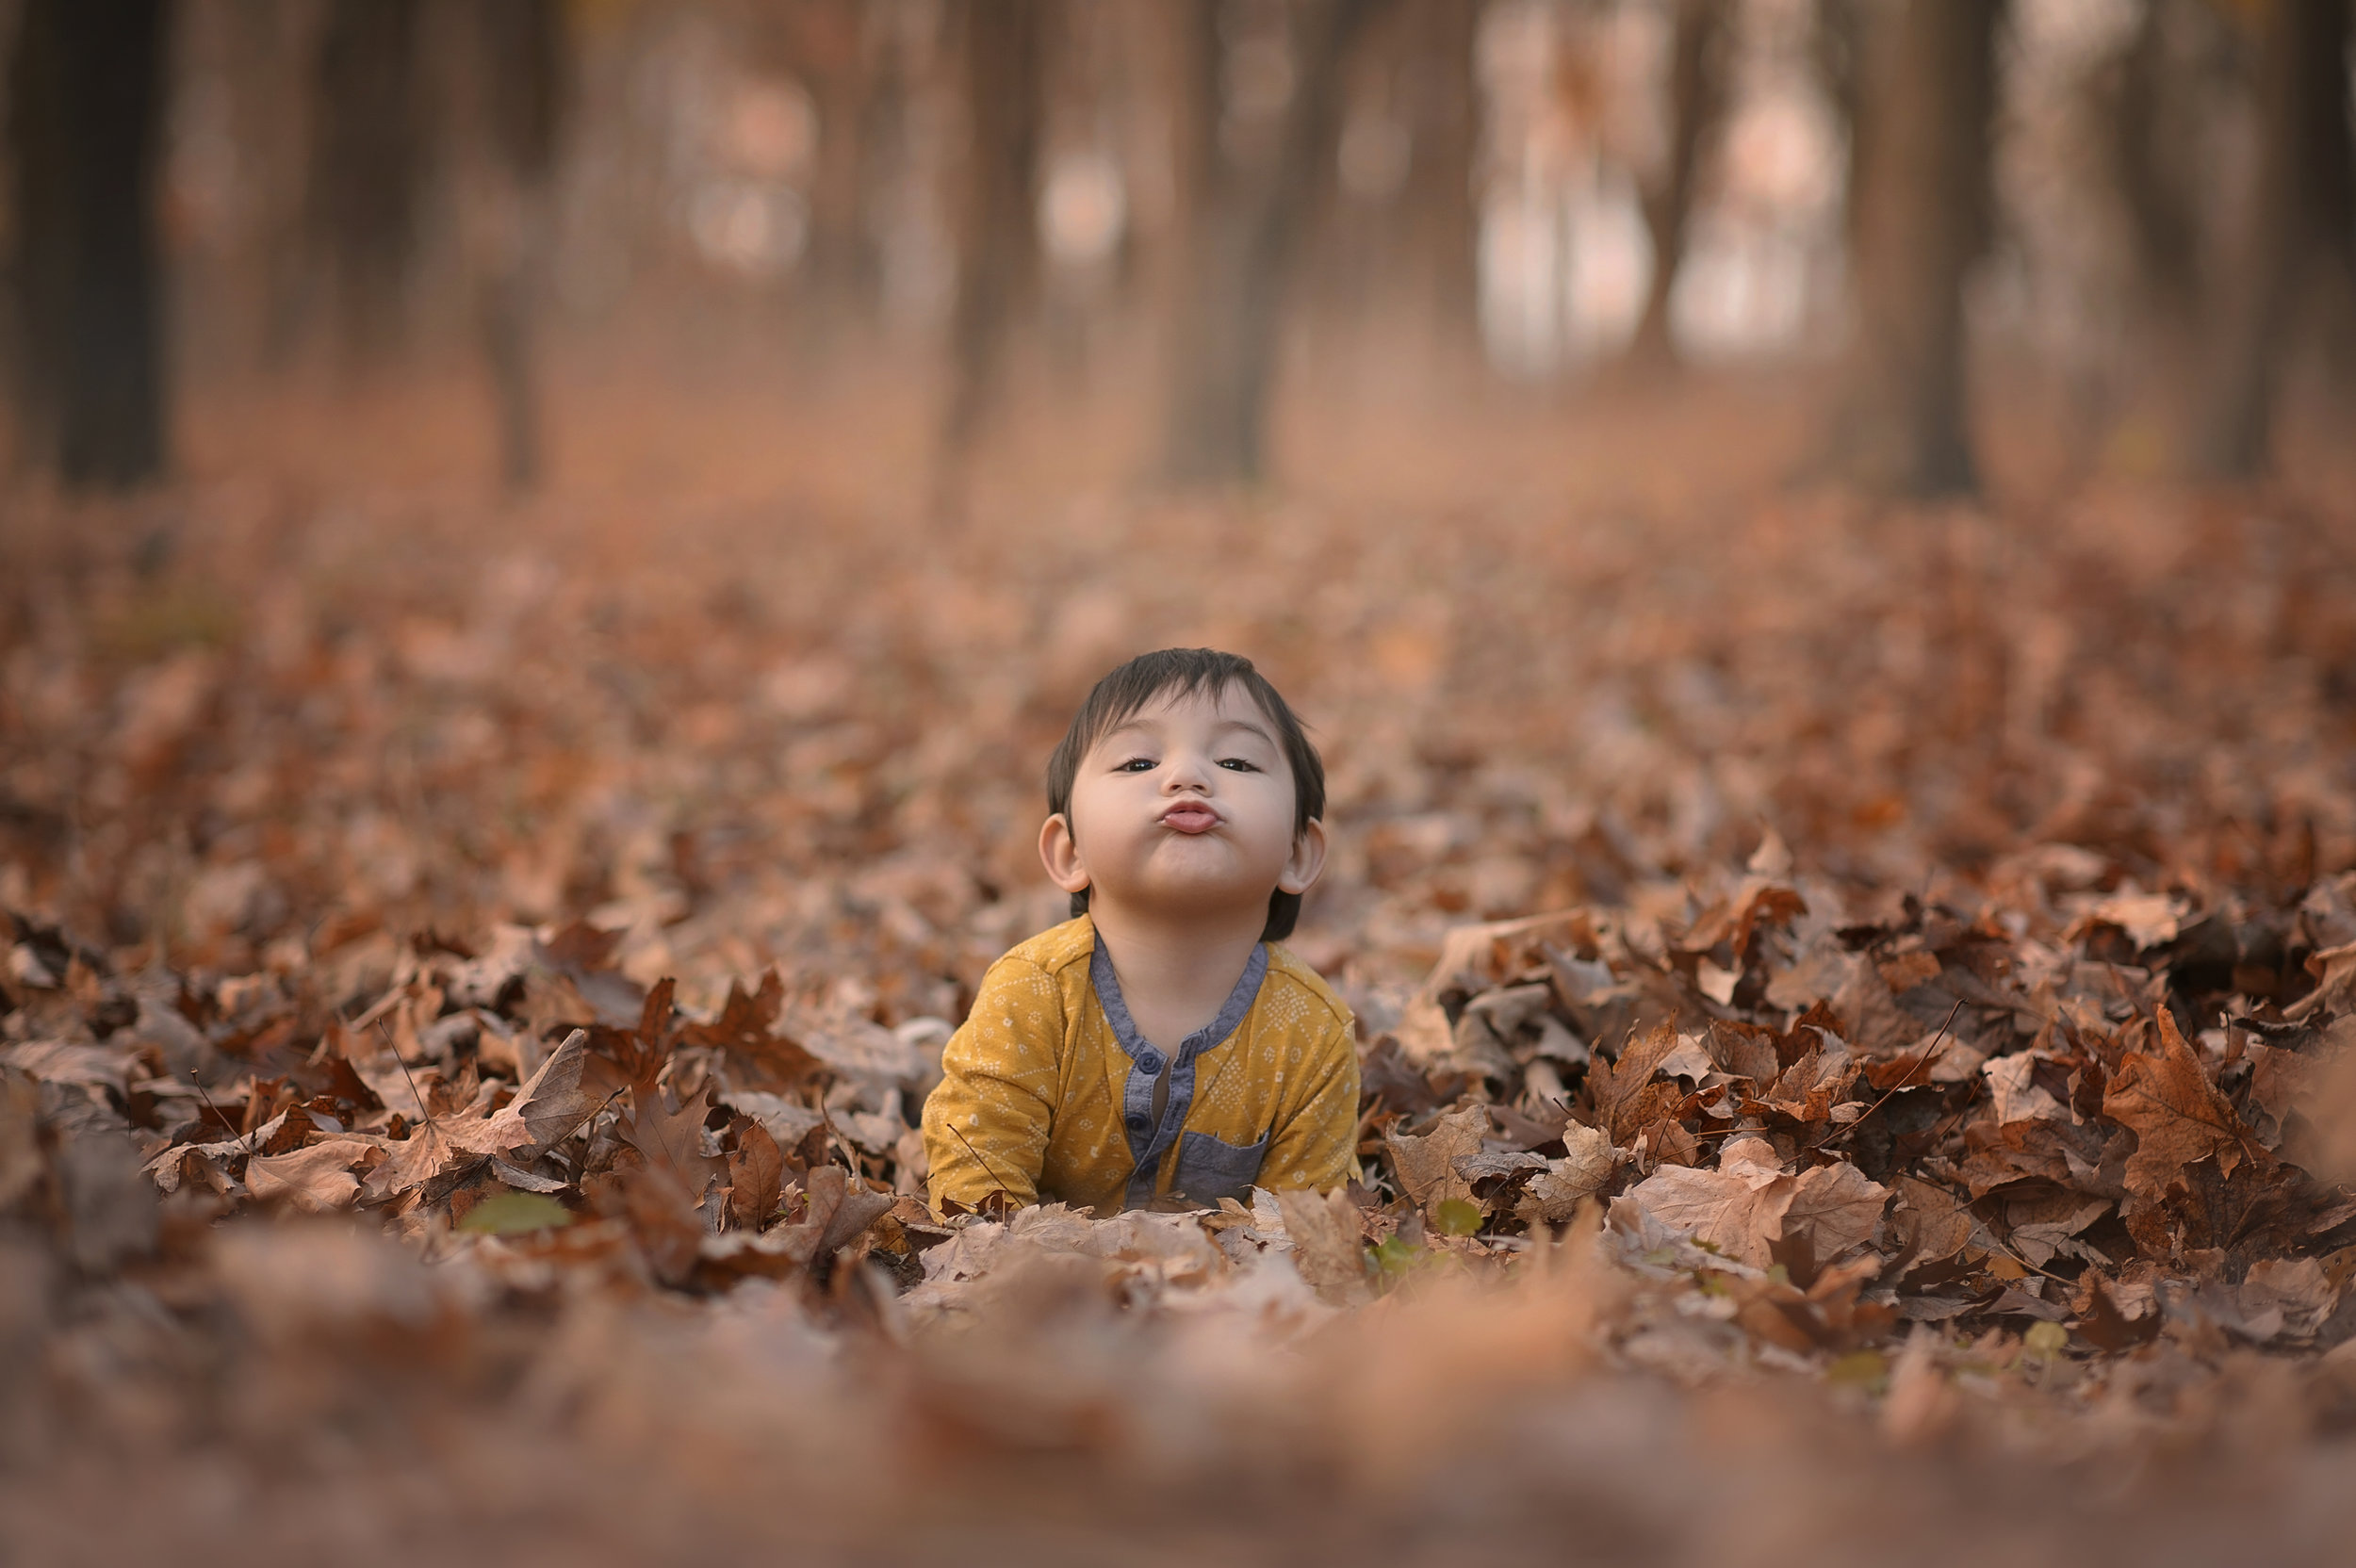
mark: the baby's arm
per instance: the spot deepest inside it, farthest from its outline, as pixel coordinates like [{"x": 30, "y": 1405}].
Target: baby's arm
[
  {"x": 986, "y": 1123},
  {"x": 1316, "y": 1147}
]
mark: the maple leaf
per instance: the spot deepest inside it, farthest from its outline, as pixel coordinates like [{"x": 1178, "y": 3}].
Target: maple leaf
[
  {"x": 1738, "y": 1217},
  {"x": 1554, "y": 1194},
  {"x": 317, "y": 1178},
  {"x": 745, "y": 1030},
  {"x": 2176, "y": 1114},
  {"x": 1838, "y": 1207},
  {"x": 564, "y": 1093},
  {"x": 671, "y": 1139},
  {"x": 1627, "y": 1099}
]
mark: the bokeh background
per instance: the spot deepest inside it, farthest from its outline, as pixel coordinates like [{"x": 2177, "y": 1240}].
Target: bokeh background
[
  {"x": 504, "y": 503},
  {"x": 1143, "y": 240}
]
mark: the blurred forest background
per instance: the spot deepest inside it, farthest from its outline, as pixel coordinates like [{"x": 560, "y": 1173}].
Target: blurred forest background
[{"x": 1133, "y": 240}]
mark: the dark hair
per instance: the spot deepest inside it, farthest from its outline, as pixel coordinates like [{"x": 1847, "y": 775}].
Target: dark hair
[{"x": 1189, "y": 671}]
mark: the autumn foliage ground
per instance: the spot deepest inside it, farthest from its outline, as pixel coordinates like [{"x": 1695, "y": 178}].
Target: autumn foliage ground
[{"x": 1853, "y": 1004}]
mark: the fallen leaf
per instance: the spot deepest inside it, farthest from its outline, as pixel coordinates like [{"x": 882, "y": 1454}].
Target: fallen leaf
[
  {"x": 1838, "y": 1207},
  {"x": 318, "y": 1178},
  {"x": 1426, "y": 1161},
  {"x": 1553, "y": 1195},
  {"x": 1329, "y": 1245},
  {"x": 2177, "y": 1116}
]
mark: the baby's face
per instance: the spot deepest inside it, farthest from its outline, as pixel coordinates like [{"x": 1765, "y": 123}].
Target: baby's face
[{"x": 1188, "y": 807}]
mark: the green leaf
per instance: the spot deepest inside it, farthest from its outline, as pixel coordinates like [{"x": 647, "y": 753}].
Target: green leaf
[
  {"x": 2044, "y": 1341},
  {"x": 1396, "y": 1255},
  {"x": 1456, "y": 1217},
  {"x": 508, "y": 1214}
]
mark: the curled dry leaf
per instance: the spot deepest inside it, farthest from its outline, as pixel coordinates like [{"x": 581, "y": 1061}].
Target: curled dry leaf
[
  {"x": 1426, "y": 1161},
  {"x": 1329, "y": 1245},
  {"x": 1553, "y": 1195},
  {"x": 318, "y": 1178}
]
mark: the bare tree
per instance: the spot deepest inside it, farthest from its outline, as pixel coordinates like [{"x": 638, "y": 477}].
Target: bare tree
[
  {"x": 522, "y": 55},
  {"x": 368, "y": 165},
  {"x": 1697, "y": 103},
  {"x": 998, "y": 243},
  {"x": 87, "y": 103},
  {"x": 1926, "y": 91},
  {"x": 1437, "y": 270},
  {"x": 2152, "y": 159},
  {"x": 829, "y": 52},
  {"x": 2303, "y": 214},
  {"x": 1247, "y": 189}
]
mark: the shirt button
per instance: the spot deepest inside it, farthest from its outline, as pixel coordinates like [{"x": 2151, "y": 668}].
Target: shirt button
[
  {"x": 1136, "y": 1121},
  {"x": 1150, "y": 1064}
]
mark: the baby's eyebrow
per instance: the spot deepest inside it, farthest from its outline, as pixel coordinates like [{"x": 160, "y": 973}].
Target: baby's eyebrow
[{"x": 1247, "y": 727}]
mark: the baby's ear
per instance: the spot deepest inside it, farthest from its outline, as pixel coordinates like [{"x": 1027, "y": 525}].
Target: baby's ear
[
  {"x": 1306, "y": 860},
  {"x": 1059, "y": 852}
]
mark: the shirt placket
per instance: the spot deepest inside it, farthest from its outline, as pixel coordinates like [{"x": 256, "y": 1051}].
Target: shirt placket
[{"x": 1149, "y": 1140}]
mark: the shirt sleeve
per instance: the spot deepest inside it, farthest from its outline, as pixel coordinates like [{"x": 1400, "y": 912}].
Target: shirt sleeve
[
  {"x": 987, "y": 1121},
  {"x": 1316, "y": 1147}
]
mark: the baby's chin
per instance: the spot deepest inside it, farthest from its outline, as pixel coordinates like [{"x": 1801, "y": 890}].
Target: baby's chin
[{"x": 1189, "y": 888}]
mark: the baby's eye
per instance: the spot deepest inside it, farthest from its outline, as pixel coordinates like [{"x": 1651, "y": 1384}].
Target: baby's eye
[
  {"x": 1237, "y": 763},
  {"x": 1136, "y": 764}
]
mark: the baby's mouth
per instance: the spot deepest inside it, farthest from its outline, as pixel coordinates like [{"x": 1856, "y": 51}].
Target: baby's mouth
[{"x": 1190, "y": 817}]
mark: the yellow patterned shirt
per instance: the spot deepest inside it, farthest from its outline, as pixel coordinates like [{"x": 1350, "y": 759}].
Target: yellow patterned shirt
[{"x": 1049, "y": 1092}]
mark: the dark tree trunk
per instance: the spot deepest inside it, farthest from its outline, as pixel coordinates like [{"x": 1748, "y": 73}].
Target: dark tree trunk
[
  {"x": 1244, "y": 217},
  {"x": 2152, "y": 163},
  {"x": 1922, "y": 218},
  {"x": 830, "y": 58},
  {"x": 87, "y": 108},
  {"x": 998, "y": 245},
  {"x": 522, "y": 44},
  {"x": 1839, "y": 50},
  {"x": 2301, "y": 213},
  {"x": 1445, "y": 112},
  {"x": 1696, "y": 100},
  {"x": 368, "y": 165}
]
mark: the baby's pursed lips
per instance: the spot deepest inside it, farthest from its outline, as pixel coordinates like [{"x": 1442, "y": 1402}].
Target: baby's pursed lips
[{"x": 1191, "y": 816}]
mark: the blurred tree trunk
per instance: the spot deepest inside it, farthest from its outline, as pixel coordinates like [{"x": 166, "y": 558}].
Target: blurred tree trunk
[
  {"x": 830, "y": 55},
  {"x": 998, "y": 240},
  {"x": 1697, "y": 93},
  {"x": 2153, "y": 162},
  {"x": 1244, "y": 216},
  {"x": 1921, "y": 219},
  {"x": 368, "y": 160},
  {"x": 86, "y": 110},
  {"x": 1444, "y": 107},
  {"x": 2303, "y": 212},
  {"x": 523, "y": 58}
]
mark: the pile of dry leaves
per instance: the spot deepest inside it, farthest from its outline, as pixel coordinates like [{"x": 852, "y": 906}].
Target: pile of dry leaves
[
  {"x": 2097, "y": 1110},
  {"x": 467, "y": 989},
  {"x": 2007, "y": 1200}
]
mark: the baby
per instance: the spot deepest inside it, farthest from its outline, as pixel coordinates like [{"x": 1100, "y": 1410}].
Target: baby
[{"x": 1160, "y": 1045}]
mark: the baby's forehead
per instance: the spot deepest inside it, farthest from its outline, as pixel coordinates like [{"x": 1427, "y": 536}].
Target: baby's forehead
[
  {"x": 1230, "y": 704},
  {"x": 1226, "y": 705}
]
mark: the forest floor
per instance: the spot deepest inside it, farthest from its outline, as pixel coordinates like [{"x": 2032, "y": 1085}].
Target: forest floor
[{"x": 1853, "y": 1005}]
